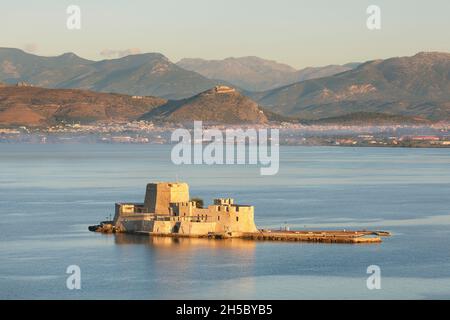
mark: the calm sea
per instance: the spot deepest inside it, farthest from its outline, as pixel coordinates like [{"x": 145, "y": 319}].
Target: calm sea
[{"x": 50, "y": 194}]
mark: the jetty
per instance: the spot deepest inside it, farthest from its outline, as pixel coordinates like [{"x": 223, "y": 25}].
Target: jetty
[{"x": 325, "y": 236}]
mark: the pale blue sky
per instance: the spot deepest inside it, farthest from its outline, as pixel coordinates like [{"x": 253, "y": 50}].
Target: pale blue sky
[{"x": 297, "y": 32}]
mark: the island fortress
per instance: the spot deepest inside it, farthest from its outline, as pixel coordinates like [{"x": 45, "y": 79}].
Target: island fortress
[{"x": 168, "y": 211}]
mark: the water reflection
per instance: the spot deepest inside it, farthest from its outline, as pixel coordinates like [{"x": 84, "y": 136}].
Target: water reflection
[
  {"x": 173, "y": 266},
  {"x": 177, "y": 243}
]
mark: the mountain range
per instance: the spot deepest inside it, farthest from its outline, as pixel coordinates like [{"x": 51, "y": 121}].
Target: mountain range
[
  {"x": 152, "y": 74},
  {"x": 407, "y": 86},
  {"x": 149, "y": 74},
  {"x": 256, "y": 74},
  {"x": 411, "y": 87}
]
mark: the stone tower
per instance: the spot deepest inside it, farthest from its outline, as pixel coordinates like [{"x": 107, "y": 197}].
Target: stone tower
[{"x": 159, "y": 196}]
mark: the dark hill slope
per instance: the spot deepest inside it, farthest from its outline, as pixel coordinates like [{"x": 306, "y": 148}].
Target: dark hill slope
[{"x": 224, "y": 106}]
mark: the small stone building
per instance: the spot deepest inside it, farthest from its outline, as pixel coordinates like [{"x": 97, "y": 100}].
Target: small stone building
[{"x": 224, "y": 89}]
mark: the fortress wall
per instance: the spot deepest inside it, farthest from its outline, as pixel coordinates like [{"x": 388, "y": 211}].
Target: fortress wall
[
  {"x": 203, "y": 214},
  {"x": 163, "y": 226},
  {"x": 188, "y": 209},
  {"x": 133, "y": 224},
  {"x": 227, "y": 218},
  {"x": 167, "y": 209},
  {"x": 147, "y": 225},
  {"x": 158, "y": 196},
  {"x": 233, "y": 219},
  {"x": 117, "y": 213},
  {"x": 218, "y": 219},
  {"x": 223, "y": 89},
  {"x": 196, "y": 228},
  {"x": 123, "y": 209},
  {"x": 127, "y": 208}
]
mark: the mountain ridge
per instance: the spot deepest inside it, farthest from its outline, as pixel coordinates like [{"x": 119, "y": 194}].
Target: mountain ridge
[
  {"x": 139, "y": 74},
  {"x": 252, "y": 73},
  {"x": 409, "y": 86}
]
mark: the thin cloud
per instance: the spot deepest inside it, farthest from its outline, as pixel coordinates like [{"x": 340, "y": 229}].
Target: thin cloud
[
  {"x": 111, "y": 53},
  {"x": 30, "y": 47}
]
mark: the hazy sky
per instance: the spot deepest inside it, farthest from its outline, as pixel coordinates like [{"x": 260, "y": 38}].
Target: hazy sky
[{"x": 297, "y": 32}]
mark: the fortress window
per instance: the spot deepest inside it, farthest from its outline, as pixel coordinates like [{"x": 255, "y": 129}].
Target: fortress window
[
  {"x": 237, "y": 218},
  {"x": 218, "y": 218}
]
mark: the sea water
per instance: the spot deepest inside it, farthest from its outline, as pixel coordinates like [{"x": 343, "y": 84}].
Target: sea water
[{"x": 50, "y": 194}]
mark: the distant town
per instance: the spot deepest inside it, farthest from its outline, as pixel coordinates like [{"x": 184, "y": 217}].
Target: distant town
[{"x": 146, "y": 132}]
